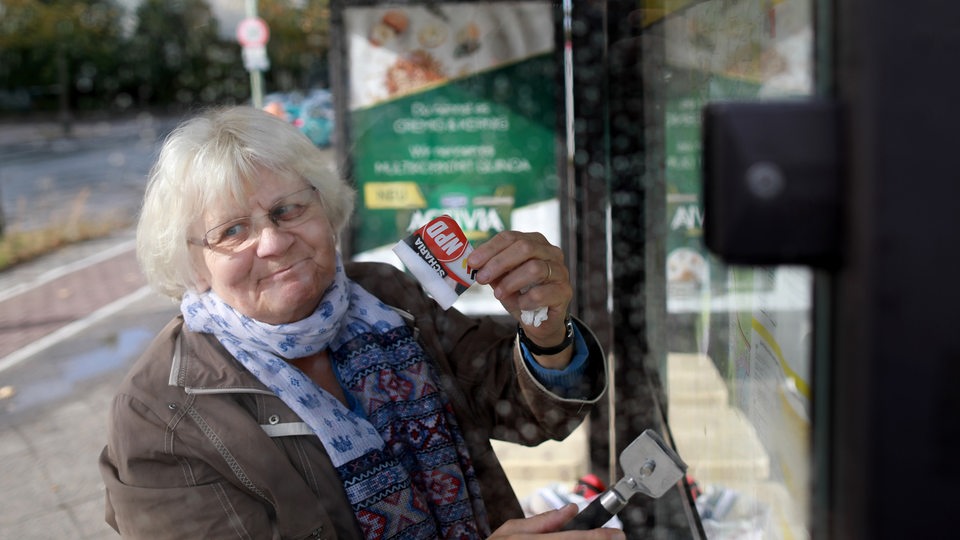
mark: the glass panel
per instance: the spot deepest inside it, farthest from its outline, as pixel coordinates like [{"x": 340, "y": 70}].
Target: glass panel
[{"x": 737, "y": 372}]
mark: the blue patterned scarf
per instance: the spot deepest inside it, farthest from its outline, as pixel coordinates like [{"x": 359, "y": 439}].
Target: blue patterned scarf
[{"x": 404, "y": 466}]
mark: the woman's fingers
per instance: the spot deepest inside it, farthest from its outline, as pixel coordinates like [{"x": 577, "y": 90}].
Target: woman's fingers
[
  {"x": 526, "y": 272},
  {"x": 541, "y": 523},
  {"x": 511, "y": 250},
  {"x": 546, "y": 526}
]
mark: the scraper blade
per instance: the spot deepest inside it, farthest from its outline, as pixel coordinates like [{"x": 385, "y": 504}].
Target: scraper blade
[{"x": 649, "y": 466}]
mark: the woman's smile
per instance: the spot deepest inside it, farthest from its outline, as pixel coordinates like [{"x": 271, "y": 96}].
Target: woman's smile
[{"x": 284, "y": 272}]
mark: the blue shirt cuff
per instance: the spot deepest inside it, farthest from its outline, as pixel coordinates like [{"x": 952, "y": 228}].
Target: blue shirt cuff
[{"x": 562, "y": 382}]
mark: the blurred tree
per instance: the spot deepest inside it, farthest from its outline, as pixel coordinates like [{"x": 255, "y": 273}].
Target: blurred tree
[
  {"x": 94, "y": 54},
  {"x": 60, "y": 53},
  {"x": 299, "y": 40},
  {"x": 177, "y": 57}
]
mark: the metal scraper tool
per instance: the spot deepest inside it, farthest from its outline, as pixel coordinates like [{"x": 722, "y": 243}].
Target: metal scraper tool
[{"x": 649, "y": 466}]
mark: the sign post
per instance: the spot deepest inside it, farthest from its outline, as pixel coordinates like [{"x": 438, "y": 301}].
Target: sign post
[{"x": 253, "y": 34}]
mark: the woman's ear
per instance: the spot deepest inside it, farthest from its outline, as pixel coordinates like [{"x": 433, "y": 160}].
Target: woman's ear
[
  {"x": 200, "y": 283},
  {"x": 199, "y": 271}
]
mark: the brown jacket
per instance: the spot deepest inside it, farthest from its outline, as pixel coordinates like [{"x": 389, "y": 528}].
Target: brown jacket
[{"x": 199, "y": 448}]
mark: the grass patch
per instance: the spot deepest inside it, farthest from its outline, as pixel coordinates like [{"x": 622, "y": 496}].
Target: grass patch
[{"x": 19, "y": 246}]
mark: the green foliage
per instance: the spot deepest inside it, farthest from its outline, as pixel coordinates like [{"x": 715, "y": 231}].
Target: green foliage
[
  {"x": 95, "y": 54},
  {"x": 175, "y": 56},
  {"x": 44, "y": 44},
  {"x": 299, "y": 37}
]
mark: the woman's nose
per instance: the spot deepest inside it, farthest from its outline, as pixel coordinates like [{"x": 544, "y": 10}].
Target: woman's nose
[{"x": 272, "y": 240}]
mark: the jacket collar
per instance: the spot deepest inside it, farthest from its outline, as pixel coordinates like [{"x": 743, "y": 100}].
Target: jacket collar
[{"x": 201, "y": 365}]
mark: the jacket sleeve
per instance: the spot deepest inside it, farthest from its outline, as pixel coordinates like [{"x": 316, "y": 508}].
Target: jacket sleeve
[
  {"x": 158, "y": 495},
  {"x": 559, "y": 415},
  {"x": 503, "y": 395}
]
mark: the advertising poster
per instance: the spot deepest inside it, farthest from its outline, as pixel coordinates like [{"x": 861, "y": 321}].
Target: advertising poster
[{"x": 452, "y": 110}]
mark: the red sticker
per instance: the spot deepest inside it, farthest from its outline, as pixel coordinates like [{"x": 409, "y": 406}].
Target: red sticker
[{"x": 444, "y": 238}]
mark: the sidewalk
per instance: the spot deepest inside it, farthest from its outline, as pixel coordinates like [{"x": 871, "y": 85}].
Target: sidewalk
[
  {"x": 53, "y": 400},
  {"x": 33, "y": 311},
  {"x": 54, "y": 397}
]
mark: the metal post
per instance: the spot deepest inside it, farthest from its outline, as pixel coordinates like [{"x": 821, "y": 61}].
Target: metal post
[{"x": 256, "y": 76}]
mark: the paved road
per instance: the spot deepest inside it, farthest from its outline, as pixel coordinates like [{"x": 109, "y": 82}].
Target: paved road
[{"x": 96, "y": 176}]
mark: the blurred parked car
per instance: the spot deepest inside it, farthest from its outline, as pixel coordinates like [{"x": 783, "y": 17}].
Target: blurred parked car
[{"x": 312, "y": 113}]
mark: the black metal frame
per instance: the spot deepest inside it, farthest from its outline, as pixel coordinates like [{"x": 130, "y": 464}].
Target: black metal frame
[
  {"x": 889, "y": 440},
  {"x": 610, "y": 172}
]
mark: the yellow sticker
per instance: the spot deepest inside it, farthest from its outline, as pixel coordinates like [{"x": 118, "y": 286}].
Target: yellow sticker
[{"x": 390, "y": 195}]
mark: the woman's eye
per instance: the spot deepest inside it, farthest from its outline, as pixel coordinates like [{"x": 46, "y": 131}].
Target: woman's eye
[
  {"x": 287, "y": 212},
  {"x": 233, "y": 231}
]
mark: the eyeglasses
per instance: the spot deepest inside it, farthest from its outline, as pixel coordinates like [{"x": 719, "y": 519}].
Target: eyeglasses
[{"x": 239, "y": 234}]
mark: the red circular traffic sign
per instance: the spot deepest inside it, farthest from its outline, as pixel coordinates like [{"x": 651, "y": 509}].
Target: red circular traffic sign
[{"x": 253, "y": 32}]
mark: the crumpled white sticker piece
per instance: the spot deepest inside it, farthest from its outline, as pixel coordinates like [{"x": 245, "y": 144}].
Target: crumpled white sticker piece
[{"x": 533, "y": 317}]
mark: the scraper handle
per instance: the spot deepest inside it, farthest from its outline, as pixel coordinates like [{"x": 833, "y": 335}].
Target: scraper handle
[
  {"x": 597, "y": 513},
  {"x": 591, "y": 517}
]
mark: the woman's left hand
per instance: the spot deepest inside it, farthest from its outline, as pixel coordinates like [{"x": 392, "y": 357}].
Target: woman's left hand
[{"x": 526, "y": 273}]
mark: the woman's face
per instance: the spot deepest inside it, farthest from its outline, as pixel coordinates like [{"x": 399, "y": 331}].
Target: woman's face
[{"x": 281, "y": 276}]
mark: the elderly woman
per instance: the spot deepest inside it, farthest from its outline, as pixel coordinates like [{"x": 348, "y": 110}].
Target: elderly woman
[{"x": 301, "y": 396}]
